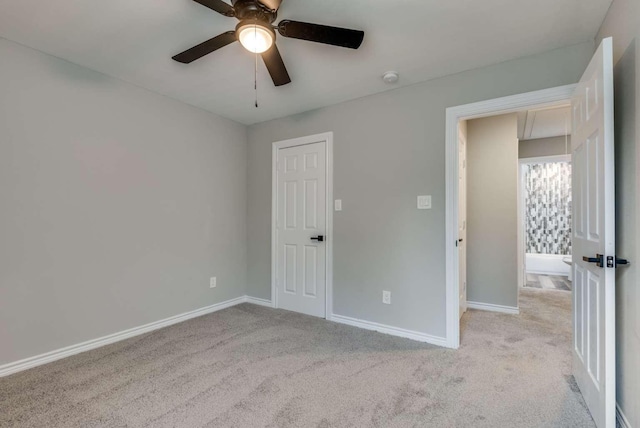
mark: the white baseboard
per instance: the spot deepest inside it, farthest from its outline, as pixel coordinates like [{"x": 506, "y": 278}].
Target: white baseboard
[
  {"x": 494, "y": 308},
  {"x": 48, "y": 357},
  {"x": 258, "y": 301},
  {"x": 387, "y": 329},
  {"x": 38, "y": 360},
  {"x": 621, "y": 418}
]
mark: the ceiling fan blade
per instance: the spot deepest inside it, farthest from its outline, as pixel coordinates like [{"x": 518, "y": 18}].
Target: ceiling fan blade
[
  {"x": 219, "y": 6},
  {"x": 321, "y": 34},
  {"x": 205, "y": 48},
  {"x": 276, "y": 67},
  {"x": 271, "y": 4}
]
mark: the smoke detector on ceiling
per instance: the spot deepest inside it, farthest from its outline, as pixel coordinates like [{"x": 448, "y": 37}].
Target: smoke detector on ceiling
[{"x": 390, "y": 77}]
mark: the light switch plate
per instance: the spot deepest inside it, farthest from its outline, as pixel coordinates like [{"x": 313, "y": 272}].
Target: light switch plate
[
  {"x": 338, "y": 205},
  {"x": 424, "y": 202}
]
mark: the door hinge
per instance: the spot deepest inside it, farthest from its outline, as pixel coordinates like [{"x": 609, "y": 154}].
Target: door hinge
[{"x": 613, "y": 262}]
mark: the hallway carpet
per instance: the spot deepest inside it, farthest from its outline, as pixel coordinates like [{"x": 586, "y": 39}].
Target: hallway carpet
[{"x": 250, "y": 366}]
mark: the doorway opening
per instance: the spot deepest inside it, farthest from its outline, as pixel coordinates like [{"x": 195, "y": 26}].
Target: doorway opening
[
  {"x": 514, "y": 204},
  {"x": 593, "y": 236},
  {"x": 457, "y": 299},
  {"x": 545, "y": 210}
]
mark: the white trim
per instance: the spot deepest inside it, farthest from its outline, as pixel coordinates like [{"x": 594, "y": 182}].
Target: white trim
[
  {"x": 328, "y": 138},
  {"x": 621, "y": 418},
  {"x": 387, "y": 329},
  {"x": 260, "y": 302},
  {"x": 521, "y": 231},
  {"x": 543, "y": 98},
  {"x": 38, "y": 360},
  {"x": 493, "y": 308}
]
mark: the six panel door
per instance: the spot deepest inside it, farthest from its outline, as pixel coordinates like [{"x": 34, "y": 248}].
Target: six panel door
[{"x": 301, "y": 229}]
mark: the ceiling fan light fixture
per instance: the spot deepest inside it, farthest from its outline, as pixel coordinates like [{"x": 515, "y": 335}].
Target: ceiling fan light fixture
[{"x": 255, "y": 36}]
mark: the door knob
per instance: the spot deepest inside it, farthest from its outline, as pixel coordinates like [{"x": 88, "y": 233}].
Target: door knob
[{"x": 318, "y": 238}]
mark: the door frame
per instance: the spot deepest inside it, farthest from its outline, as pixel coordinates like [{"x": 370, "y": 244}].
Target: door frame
[
  {"x": 510, "y": 104},
  {"x": 326, "y": 137}
]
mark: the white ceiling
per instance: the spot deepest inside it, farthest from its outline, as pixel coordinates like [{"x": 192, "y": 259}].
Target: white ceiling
[
  {"x": 544, "y": 123},
  {"x": 134, "y": 40}
]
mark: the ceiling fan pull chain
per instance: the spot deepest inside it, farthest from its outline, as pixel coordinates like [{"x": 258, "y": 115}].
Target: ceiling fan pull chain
[
  {"x": 255, "y": 80},
  {"x": 255, "y": 74}
]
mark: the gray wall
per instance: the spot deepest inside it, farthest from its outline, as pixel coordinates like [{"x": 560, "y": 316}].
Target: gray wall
[
  {"x": 544, "y": 147},
  {"x": 117, "y": 205},
  {"x": 492, "y": 210},
  {"x": 623, "y": 23},
  {"x": 389, "y": 148}
]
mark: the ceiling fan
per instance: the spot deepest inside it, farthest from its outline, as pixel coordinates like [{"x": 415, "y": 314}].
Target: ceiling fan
[{"x": 257, "y": 34}]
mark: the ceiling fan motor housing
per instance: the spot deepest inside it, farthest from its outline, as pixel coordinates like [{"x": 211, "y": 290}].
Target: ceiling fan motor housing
[{"x": 254, "y": 10}]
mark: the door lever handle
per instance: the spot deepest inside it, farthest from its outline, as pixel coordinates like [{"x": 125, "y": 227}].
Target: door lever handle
[
  {"x": 318, "y": 238},
  {"x": 614, "y": 262},
  {"x": 622, "y": 261},
  {"x": 598, "y": 260}
]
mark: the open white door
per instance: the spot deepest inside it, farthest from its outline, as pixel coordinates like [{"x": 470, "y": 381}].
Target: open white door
[
  {"x": 594, "y": 237},
  {"x": 462, "y": 215}
]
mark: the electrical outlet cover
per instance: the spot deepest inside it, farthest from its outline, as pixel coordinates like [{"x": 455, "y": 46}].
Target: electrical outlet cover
[{"x": 386, "y": 297}]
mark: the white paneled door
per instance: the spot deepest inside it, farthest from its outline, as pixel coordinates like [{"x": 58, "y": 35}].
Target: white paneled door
[
  {"x": 594, "y": 237},
  {"x": 301, "y": 226}
]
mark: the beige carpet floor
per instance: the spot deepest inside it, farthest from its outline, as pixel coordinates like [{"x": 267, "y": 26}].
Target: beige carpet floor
[{"x": 250, "y": 366}]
